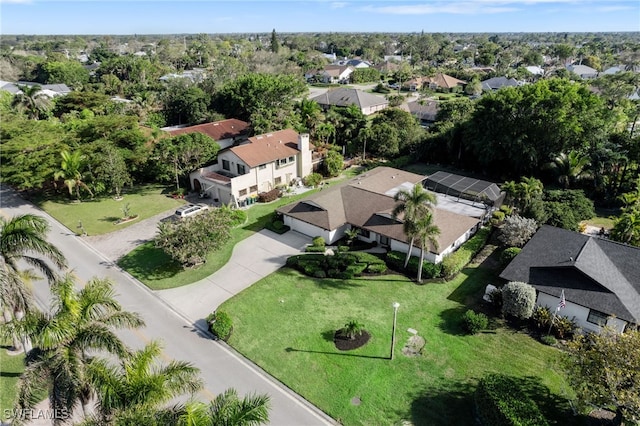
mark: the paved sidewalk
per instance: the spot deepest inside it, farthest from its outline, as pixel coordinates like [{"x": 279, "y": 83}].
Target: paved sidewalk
[{"x": 252, "y": 259}]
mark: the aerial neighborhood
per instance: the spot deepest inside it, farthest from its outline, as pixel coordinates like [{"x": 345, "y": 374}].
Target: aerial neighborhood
[{"x": 301, "y": 228}]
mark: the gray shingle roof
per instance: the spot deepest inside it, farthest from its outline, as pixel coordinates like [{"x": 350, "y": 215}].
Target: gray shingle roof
[
  {"x": 344, "y": 97},
  {"x": 596, "y": 273}
]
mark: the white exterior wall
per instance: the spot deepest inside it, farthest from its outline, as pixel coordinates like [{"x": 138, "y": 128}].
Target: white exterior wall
[
  {"x": 415, "y": 251},
  {"x": 372, "y": 109},
  {"x": 306, "y": 228},
  {"x": 578, "y": 313}
]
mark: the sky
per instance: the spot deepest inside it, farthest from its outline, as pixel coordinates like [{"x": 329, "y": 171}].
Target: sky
[{"x": 261, "y": 16}]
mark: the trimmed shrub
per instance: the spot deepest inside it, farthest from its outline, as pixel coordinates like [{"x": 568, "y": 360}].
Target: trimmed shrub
[
  {"x": 220, "y": 324},
  {"x": 501, "y": 401},
  {"x": 377, "y": 268},
  {"x": 315, "y": 249},
  {"x": 238, "y": 217},
  {"x": 517, "y": 230},
  {"x": 318, "y": 242},
  {"x": 343, "y": 249},
  {"x": 456, "y": 261},
  {"x": 495, "y": 298},
  {"x": 344, "y": 265},
  {"x": 475, "y": 322},
  {"x": 506, "y": 210},
  {"x": 312, "y": 180},
  {"x": 518, "y": 299},
  {"x": 395, "y": 261},
  {"x": 508, "y": 254},
  {"x": 497, "y": 217},
  {"x": 267, "y": 197},
  {"x": 548, "y": 340},
  {"x": 277, "y": 226}
]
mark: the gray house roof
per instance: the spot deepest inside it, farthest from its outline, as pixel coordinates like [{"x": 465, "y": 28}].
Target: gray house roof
[
  {"x": 344, "y": 97},
  {"x": 496, "y": 83},
  {"x": 583, "y": 71},
  {"x": 595, "y": 273},
  {"x": 49, "y": 89},
  {"x": 426, "y": 110}
]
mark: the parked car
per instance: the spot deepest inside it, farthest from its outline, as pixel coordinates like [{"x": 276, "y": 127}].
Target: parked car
[{"x": 190, "y": 210}]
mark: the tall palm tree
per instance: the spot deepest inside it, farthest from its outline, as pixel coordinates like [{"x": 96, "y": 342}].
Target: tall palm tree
[
  {"x": 79, "y": 323},
  {"x": 310, "y": 113},
  {"x": 139, "y": 384},
  {"x": 569, "y": 168},
  {"x": 426, "y": 233},
  {"x": 227, "y": 409},
  {"x": 412, "y": 204},
  {"x": 71, "y": 171},
  {"x": 23, "y": 239},
  {"x": 32, "y": 100},
  {"x": 627, "y": 228},
  {"x": 529, "y": 189}
]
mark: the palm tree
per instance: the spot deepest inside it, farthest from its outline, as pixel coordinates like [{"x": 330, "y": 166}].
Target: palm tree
[
  {"x": 310, "y": 113},
  {"x": 32, "y": 100},
  {"x": 79, "y": 323},
  {"x": 352, "y": 329},
  {"x": 426, "y": 233},
  {"x": 569, "y": 168},
  {"x": 529, "y": 189},
  {"x": 139, "y": 384},
  {"x": 227, "y": 409},
  {"x": 413, "y": 204},
  {"x": 23, "y": 238},
  {"x": 71, "y": 166},
  {"x": 627, "y": 228}
]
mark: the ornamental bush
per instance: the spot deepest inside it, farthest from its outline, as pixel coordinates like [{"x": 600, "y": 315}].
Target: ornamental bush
[
  {"x": 267, "y": 197},
  {"x": 501, "y": 401},
  {"x": 518, "y": 299},
  {"x": 454, "y": 262},
  {"x": 475, "y": 322},
  {"x": 395, "y": 261},
  {"x": 318, "y": 242},
  {"x": 541, "y": 317},
  {"x": 312, "y": 180},
  {"x": 220, "y": 324},
  {"x": 508, "y": 254},
  {"x": 517, "y": 230}
]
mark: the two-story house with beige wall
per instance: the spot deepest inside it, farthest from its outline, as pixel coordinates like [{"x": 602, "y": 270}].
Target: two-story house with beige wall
[{"x": 260, "y": 164}]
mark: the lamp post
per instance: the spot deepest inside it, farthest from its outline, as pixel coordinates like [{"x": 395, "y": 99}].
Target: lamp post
[{"x": 395, "y": 305}]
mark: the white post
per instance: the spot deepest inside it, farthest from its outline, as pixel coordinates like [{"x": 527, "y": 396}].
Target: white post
[{"x": 395, "y": 305}]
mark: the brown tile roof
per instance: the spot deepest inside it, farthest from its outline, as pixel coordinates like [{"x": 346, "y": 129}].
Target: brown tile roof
[
  {"x": 263, "y": 149},
  {"x": 216, "y": 176},
  {"x": 367, "y": 201},
  {"x": 445, "y": 81},
  {"x": 217, "y": 130}
]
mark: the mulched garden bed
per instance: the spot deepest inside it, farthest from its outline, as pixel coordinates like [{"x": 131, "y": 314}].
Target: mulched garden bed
[{"x": 346, "y": 344}]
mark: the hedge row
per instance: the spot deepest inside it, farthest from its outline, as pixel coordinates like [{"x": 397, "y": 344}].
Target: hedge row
[
  {"x": 501, "y": 401},
  {"x": 266, "y": 197},
  {"x": 342, "y": 265},
  {"x": 454, "y": 262},
  {"x": 277, "y": 226},
  {"x": 395, "y": 260}
]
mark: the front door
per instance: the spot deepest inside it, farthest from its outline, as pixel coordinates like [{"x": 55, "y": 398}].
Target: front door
[{"x": 384, "y": 241}]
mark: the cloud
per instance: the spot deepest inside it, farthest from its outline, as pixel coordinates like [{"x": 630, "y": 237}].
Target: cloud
[
  {"x": 16, "y": 1},
  {"x": 453, "y": 7},
  {"x": 614, "y": 8},
  {"x": 338, "y": 4}
]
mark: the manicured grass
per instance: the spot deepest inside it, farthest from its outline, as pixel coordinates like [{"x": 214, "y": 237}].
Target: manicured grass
[
  {"x": 98, "y": 215},
  {"x": 285, "y": 324},
  {"x": 603, "y": 219},
  {"x": 157, "y": 271},
  {"x": 11, "y": 366}
]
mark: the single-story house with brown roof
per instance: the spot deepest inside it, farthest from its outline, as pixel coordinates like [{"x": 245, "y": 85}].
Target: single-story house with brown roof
[
  {"x": 260, "y": 164},
  {"x": 366, "y": 203},
  {"x": 443, "y": 81},
  {"x": 225, "y": 132}
]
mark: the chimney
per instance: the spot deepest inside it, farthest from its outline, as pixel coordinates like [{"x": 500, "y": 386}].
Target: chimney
[{"x": 304, "y": 156}]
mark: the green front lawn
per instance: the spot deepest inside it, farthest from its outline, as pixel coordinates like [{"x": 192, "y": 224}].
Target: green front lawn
[
  {"x": 98, "y": 215},
  {"x": 285, "y": 324},
  {"x": 158, "y": 271},
  {"x": 11, "y": 366}
]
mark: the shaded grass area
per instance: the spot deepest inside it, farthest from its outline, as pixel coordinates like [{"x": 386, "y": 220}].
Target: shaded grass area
[
  {"x": 158, "y": 271},
  {"x": 11, "y": 366},
  {"x": 98, "y": 215},
  {"x": 604, "y": 218},
  {"x": 283, "y": 323}
]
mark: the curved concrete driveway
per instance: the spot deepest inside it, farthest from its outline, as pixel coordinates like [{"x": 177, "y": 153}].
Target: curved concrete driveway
[{"x": 252, "y": 259}]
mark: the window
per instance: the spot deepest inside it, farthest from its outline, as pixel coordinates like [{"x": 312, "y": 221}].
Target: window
[
  {"x": 364, "y": 233},
  {"x": 242, "y": 192},
  {"x": 278, "y": 180},
  {"x": 241, "y": 169},
  {"x": 292, "y": 159},
  {"x": 262, "y": 166},
  {"x": 597, "y": 317},
  {"x": 254, "y": 188},
  {"x": 225, "y": 165}
]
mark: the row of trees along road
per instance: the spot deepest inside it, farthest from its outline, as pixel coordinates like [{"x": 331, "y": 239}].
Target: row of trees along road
[{"x": 75, "y": 357}]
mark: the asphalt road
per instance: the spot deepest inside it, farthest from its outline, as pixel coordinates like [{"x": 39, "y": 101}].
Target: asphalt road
[{"x": 220, "y": 367}]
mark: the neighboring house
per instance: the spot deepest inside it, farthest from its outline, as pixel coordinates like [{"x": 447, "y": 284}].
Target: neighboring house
[
  {"x": 335, "y": 74},
  {"x": 195, "y": 75},
  {"x": 260, "y": 164},
  {"x": 343, "y": 97},
  {"x": 366, "y": 203},
  {"x": 50, "y": 90},
  {"x": 535, "y": 70},
  {"x": 600, "y": 278},
  {"x": 415, "y": 84},
  {"x": 387, "y": 67},
  {"x": 497, "y": 83},
  {"x": 358, "y": 63},
  {"x": 444, "y": 81},
  {"x": 583, "y": 71},
  {"x": 425, "y": 110},
  {"x": 225, "y": 132}
]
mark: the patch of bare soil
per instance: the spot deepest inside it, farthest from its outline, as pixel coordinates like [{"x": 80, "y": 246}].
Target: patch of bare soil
[{"x": 346, "y": 344}]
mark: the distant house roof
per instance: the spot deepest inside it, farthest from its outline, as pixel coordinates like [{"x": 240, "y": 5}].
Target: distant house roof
[
  {"x": 358, "y": 63},
  {"x": 366, "y": 201},
  {"x": 445, "y": 81},
  {"x": 496, "y": 83},
  {"x": 217, "y": 130},
  {"x": 344, "y": 97},
  {"x": 595, "y": 273},
  {"x": 336, "y": 70},
  {"x": 263, "y": 149},
  {"x": 50, "y": 90},
  {"x": 426, "y": 110},
  {"x": 535, "y": 70},
  {"x": 583, "y": 71}
]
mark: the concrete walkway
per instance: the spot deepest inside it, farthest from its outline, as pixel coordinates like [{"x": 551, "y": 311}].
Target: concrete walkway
[{"x": 252, "y": 259}]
